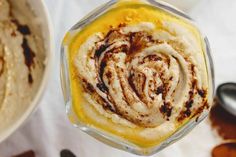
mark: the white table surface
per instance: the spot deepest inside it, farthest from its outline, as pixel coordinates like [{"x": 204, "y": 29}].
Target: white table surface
[{"x": 48, "y": 129}]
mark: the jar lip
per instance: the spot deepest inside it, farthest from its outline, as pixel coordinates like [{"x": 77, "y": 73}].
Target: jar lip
[
  {"x": 104, "y": 136},
  {"x": 94, "y": 14}
]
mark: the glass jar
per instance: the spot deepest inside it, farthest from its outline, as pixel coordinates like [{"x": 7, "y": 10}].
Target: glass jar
[{"x": 107, "y": 137}]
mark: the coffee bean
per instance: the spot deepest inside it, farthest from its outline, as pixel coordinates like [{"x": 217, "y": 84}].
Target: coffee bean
[{"x": 66, "y": 153}]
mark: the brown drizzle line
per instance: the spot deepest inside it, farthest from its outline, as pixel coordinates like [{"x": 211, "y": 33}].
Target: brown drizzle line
[
  {"x": 188, "y": 104},
  {"x": 90, "y": 89},
  {"x": 88, "y": 86},
  {"x": 130, "y": 80},
  {"x": 159, "y": 90},
  {"x": 166, "y": 109},
  {"x": 202, "y": 92},
  {"x": 23, "y": 29},
  {"x": 101, "y": 85},
  {"x": 27, "y": 51},
  {"x": 132, "y": 85},
  {"x": 151, "y": 58},
  {"x": 99, "y": 51},
  {"x": 1, "y": 65},
  {"x": 137, "y": 42},
  {"x": 29, "y": 58}
]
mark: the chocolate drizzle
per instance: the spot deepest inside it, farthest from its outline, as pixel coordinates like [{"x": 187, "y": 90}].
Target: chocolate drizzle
[
  {"x": 137, "y": 41},
  {"x": 160, "y": 90},
  {"x": 1, "y": 65},
  {"x": 131, "y": 83},
  {"x": 88, "y": 87},
  {"x": 101, "y": 49},
  {"x": 166, "y": 109},
  {"x": 29, "y": 58},
  {"x": 202, "y": 92},
  {"x": 102, "y": 87},
  {"x": 140, "y": 78},
  {"x": 188, "y": 104},
  {"x": 29, "y": 54},
  {"x": 23, "y": 29}
]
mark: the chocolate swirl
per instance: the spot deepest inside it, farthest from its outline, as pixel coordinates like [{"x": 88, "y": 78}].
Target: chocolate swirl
[{"x": 144, "y": 75}]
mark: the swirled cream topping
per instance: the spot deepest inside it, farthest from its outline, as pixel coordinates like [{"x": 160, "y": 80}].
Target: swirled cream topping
[
  {"x": 138, "y": 76},
  {"x": 143, "y": 75}
]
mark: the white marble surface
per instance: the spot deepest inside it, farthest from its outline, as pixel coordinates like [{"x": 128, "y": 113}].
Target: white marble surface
[{"x": 48, "y": 130}]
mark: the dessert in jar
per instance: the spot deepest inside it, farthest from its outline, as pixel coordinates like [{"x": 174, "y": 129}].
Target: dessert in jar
[{"x": 138, "y": 74}]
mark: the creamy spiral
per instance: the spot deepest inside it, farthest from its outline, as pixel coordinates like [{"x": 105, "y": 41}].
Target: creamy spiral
[{"x": 142, "y": 75}]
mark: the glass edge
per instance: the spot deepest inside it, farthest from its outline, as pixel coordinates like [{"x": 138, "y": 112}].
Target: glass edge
[
  {"x": 211, "y": 64},
  {"x": 170, "y": 8},
  {"x": 64, "y": 73},
  {"x": 91, "y": 16}
]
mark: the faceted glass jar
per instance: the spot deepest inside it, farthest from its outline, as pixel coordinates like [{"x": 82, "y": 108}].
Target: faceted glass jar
[{"x": 104, "y": 136}]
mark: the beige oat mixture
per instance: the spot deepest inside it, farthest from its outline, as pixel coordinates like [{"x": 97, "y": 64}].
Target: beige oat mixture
[{"x": 21, "y": 60}]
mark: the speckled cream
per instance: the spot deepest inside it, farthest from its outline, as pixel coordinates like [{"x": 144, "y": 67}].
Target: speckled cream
[{"x": 138, "y": 76}]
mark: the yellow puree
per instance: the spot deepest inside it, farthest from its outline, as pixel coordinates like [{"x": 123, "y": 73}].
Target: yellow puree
[{"x": 131, "y": 12}]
